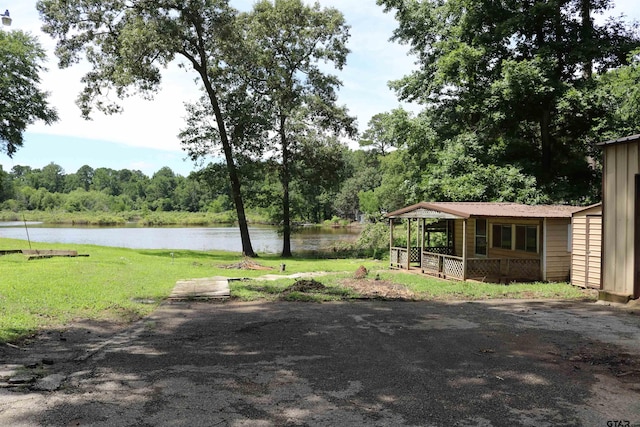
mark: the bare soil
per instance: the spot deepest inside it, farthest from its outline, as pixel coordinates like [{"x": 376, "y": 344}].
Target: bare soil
[{"x": 379, "y": 289}]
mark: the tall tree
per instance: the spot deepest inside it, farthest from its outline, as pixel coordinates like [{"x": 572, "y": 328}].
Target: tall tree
[
  {"x": 22, "y": 102},
  {"x": 126, "y": 43},
  {"x": 386, "y": 131},
  {"x": 507, "y": 71},
  {"x": 288, "y": 47},
  {"x": 52, "y": 178},
  {"x": 319, "y": 168},
  {"x": 6, "y": 186},
  {"x": 619, "y": 94}
]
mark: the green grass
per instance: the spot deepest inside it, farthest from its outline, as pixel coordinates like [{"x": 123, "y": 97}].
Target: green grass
[
  {"x": 437, "y": 289},
  {"x": 273, "y": 290},
  {"x": 114, "y": 284},
  {"x": 123, "y": 285},
  {"x": 424, "y": 288}
]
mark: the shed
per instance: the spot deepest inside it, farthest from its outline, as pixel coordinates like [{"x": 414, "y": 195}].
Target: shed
[
  {"x": 586, "y": 247},
  {"x": 485, "y": 241},
  {"x": 621, "y": 219}
]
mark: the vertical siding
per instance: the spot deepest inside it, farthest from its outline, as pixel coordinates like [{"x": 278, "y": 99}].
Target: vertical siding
[
  {"x": 586, "y": 228},
  {"x": 594, "y": 250},
  {"x": 471, "y": 238},
  {"x": 471, "y": 234},
  {"x": 609, "y": 220},
  {"x": 579, "y": 251},
  {"x": 627, "y": 157},
  {"x": 558, "y": 256},
  {"x": 621, "y": 164},
  {"x": 457, "y": 235}
]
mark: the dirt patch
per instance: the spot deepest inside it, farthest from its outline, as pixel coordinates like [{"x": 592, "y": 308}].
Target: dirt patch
[
  {"x": 361, "y": 273},
  {"x": 305, "y": 286},
  {"x": 625, "y": 366},
  {"x": 246, "y": 264},
  {"x": 384, "y": 289}
]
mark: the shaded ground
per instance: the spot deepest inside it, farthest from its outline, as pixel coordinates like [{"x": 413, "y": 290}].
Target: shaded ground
[{"x": 496, "y": 363}]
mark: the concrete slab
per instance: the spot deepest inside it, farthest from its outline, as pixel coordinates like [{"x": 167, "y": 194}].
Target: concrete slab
[{"x": 201, "y": 289}]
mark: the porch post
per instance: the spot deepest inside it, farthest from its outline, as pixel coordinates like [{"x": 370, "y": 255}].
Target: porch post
[
  {"x": 390, "y": 240},
  {"x": 464, "y": 249},
  {"x": 543, "y": 264},
  {"x": 408, "y": 244}
]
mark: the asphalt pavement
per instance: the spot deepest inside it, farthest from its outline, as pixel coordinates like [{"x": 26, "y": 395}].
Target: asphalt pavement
[{"x": 365, "y": 363}]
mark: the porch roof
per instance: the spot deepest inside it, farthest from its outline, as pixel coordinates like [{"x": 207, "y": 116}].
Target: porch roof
[{"x": 461, "y": 210}]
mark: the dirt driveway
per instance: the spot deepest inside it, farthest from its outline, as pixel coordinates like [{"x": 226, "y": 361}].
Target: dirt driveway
[{"x": 500, "y": 363}]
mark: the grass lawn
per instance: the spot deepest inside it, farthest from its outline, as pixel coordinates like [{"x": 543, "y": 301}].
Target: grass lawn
[{"x": 123, "y": 285}]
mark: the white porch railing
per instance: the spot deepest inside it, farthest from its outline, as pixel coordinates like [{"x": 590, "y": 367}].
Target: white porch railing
[
  {"x": 446, "y": 266},
  {"x": 493, "y": 269},
  {"x": 398, "y": 256}
]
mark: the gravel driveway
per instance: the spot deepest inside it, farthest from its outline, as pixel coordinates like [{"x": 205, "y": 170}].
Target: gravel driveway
[{"x": 366, "y": 363}]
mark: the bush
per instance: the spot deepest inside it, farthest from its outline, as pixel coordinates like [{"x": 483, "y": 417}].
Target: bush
[{"x": 374, "y": 239}]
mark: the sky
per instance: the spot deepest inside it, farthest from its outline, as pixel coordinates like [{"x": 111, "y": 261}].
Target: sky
[{"x": 144, "y": 136}]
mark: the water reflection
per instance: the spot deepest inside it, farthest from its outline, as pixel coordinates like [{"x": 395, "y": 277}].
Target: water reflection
[{"x": 263, "y": 239}]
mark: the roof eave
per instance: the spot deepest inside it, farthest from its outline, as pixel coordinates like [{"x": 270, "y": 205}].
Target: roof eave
[
  {"x": 623, "y": 140},
  {"x": 427, "y": 210}
]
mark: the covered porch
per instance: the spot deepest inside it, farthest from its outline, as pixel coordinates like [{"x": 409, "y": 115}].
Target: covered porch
[{"x": 476, "y": 241}]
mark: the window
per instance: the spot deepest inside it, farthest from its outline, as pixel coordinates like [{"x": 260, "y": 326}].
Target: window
[
  {"x": 481, "y": 237},
  {"x": 502, "y": 236},
  {"x": 527, "y": 238}
]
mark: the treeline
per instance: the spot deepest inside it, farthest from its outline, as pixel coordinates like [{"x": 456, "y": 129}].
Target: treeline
[
  {"x": 327, "y": 189},
  {"x": 104, "y": 190},
  {"x": 516, "y": 96}
]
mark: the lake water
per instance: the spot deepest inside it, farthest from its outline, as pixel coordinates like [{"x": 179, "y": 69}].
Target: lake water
[{"x": 263, "y": 239}]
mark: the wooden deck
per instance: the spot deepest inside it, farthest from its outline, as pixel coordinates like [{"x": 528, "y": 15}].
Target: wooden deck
[
  {"x": 207, "y": 288},
  {"x": 43, "y": 253}
]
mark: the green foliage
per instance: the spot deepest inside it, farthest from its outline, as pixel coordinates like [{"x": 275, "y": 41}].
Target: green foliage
[
  {"x": 335, "y": 221},
  {"x": 80, "y": 200},
  {"x": 319, "y": 168},
  {"x": 463, "y": 175},
  {"x": 369, "y": 203},
  {"x": 126, "y": 46},
  {"x": 374, "y": 239},
  {"x": 386, "y": 131},
  {"x": 519, "y": 79},
  {"x": 22, "y": 102},
  {"x": 618, "y": 93},
  {"x": 362, "y": 174},
  {"x": 288, "y": 45}
]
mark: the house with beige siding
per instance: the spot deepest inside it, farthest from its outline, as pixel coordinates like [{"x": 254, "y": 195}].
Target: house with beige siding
[
  {"x": 495, "y": 242},
  {"x": 586, "y": 247},
  {"x": 621, "y": 219}
]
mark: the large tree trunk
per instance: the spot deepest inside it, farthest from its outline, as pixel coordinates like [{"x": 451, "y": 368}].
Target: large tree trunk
[
  {"x": 285, "y": 177},
  {"x": 201, "y": 65},
  {"x": 247, "y": 249}
]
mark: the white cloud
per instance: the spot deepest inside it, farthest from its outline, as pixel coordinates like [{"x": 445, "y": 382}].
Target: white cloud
[{"x": 373, "y": 62}]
